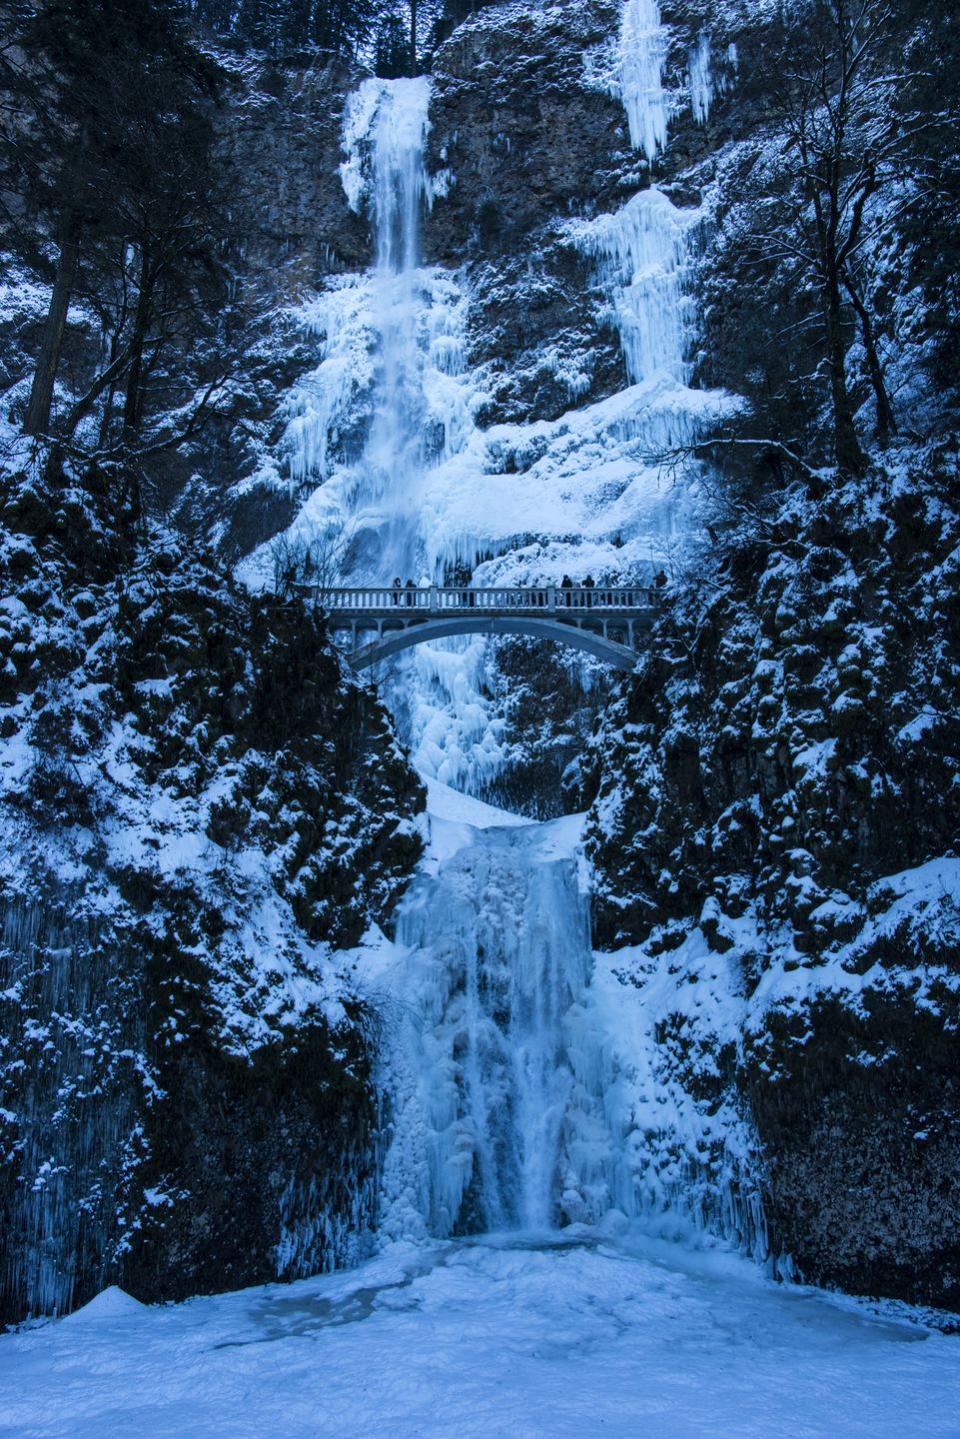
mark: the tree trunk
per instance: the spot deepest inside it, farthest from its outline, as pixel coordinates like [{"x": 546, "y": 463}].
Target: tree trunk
[
  {"x": 886, "y": 421},
  {"x": 37, "y": 421},
  {"x": 849, "y": 455},
  {"x": 133, "y": 400}
]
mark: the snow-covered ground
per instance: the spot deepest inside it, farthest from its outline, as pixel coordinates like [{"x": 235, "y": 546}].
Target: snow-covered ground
[{"x": 499, "y": 1340}]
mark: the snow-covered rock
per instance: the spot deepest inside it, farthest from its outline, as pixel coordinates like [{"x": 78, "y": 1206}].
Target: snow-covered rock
[{"x": 200, "y": 810}]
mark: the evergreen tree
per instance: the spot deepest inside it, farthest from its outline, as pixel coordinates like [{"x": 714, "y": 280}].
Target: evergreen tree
[
  {"x": 393, "y": 55},
  {"x": 452, "y": 13},
  {"x": 291, "y": 27},
  {"x": 106, "y": 146}
]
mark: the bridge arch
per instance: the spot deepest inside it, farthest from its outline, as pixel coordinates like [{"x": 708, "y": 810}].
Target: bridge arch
[{"x": 393, "y": 642}]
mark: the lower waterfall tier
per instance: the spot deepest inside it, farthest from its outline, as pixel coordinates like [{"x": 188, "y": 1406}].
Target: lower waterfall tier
[
  {"x": 523, "y": 1085},
  {"x": 498, "y": 1118}
]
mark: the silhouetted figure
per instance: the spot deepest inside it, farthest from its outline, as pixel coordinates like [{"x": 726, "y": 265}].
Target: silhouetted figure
[
  {"x": 410, "y": 587},
  {"x": 461, "y": 580},
  {"x": 567, "y": 584},
  {"x": 397, "y": 587},
  {"x": 589, "y": 584}
]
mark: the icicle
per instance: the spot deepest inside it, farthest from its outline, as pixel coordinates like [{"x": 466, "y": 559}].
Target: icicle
[
  {"x": 700, "y": 73},
  {"x": 642, "y": 48}
]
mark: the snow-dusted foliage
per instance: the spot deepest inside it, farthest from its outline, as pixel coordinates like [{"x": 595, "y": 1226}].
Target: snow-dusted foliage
[
  {"x": 198, "y": 805},
  {"x": 778, "y": 797}
]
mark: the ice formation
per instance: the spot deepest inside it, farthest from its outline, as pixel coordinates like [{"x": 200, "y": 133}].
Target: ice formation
[
  {"x": 701, "y": 78},
  {"x": 498, "y": 1097},
  {"x": 526, "y": 1088},
  {"x": 406, "y": 483},
  {"x": 640, "y": 69},
  {"x": 383, "y": 405}
]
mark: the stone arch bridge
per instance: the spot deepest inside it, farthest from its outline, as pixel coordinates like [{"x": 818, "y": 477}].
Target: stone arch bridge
[{"x": 607, "y": 622}]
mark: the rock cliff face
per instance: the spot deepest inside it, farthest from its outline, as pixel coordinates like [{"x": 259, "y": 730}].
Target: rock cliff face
[
  {"x": 528, "y": 145},
  {"x": 781, "y": 780},
  {"x": 280, "y": 149},
  {"x": 200, "y": 808}
]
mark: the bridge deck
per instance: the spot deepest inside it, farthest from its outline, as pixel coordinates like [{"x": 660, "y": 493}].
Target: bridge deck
[
  {"x": 355, "y": 604},
  {"x": 577, "y": 615}
]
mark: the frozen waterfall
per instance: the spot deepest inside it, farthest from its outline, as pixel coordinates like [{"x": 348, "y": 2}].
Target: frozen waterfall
[
  {"x": 387, "y": 403},
  {"x": 493, "y": 1059},
  {"x": 641, "y": 57},
  {"x": 526, "y": 1086},
  {"x": 389, "y": 120},
  {"x": 402, "y": 479}
]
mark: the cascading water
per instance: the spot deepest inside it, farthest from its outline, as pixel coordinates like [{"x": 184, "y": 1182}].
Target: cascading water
[
  {"x": 408, "y": 484},
  {"x": 492, "y": 1055},
  {"x": 512, "y": 1105},
  {"x": 527, "y": 1079},
  {"x": 392, "y": 117}
]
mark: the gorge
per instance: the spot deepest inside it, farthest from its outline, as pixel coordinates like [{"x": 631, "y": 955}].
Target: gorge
[{"x": 491, "y": 1041}]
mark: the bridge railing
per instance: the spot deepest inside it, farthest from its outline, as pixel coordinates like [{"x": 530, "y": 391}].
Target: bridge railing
[{"x": 437, "y": 599}]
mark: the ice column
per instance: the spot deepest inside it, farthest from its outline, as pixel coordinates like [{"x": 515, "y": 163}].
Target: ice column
[
  {"x": 641, "y": 59},
  {"x": 496, "y": 1075},
  {"x": 701, "y": 78},
  {"x": 641, "y": 251},
  {"x": 394, "y": 458}
]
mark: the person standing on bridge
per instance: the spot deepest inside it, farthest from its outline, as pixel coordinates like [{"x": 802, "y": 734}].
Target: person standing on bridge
[
  {"x": 410, "y": 587},
  {"x": 589, "y": 585},
  {"x": 567, "y": 584},
  {"x": 397, "y": 587}
]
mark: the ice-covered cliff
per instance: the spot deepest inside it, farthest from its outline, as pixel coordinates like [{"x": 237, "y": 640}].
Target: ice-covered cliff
[
  {"x": 502, "y": 413},
  {"x": 201, "y": 813}
]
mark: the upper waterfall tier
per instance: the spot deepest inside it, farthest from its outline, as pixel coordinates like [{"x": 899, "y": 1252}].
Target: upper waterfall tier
[
  {"x": 393, "y": 441},
  {"x": 384, "y": 131},
  {"x": 376, "y": 504}
]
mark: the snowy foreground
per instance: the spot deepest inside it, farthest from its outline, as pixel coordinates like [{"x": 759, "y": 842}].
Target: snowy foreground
[
  {"x": 502, "y": 1340},
  {"x": 588, "y": 1331}
]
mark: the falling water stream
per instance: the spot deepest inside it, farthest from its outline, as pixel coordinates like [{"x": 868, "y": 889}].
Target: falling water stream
[
  {"x": 384, "y": 541},
  {"x": 492, "y": 1060},
  {"x": 491, "y": 1053}
]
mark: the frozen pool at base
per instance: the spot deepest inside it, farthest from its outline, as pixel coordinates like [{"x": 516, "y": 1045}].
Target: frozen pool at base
[{"x": 508, "y": 1338}]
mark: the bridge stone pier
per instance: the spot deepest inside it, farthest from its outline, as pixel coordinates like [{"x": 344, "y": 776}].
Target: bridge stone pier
[{"x": 383, "y": 620}]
